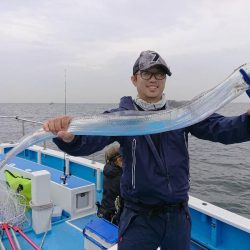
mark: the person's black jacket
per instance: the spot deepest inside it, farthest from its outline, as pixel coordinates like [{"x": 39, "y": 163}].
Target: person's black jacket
[
  {"x": 155, "y": 175},
  {"x": 111, "y": 186}
]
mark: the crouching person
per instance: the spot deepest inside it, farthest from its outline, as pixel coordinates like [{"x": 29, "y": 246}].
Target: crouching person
[{"x": 111, "y": 185}]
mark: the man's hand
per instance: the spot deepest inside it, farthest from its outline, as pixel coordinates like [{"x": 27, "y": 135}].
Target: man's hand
[{"x": 59, "y": 126}]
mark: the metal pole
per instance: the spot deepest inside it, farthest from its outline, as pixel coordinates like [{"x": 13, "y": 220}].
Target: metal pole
[{"x": 65, "y": 91}]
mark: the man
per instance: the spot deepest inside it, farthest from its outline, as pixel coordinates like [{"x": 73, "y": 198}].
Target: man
[
  {"x": 112, "y": 172},
  {"x": 155, "y": 180}
]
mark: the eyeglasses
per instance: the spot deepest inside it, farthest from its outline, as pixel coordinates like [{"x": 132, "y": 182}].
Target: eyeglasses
[{"x": 146, "y": 75}]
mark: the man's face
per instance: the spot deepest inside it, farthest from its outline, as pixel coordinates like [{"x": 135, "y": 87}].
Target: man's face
[{"x": 150, "y": 90}]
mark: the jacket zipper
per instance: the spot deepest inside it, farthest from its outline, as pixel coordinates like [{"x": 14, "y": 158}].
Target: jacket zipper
[
  {"x": 133, "y": 162},
  {"x": 185, "y": 140}
]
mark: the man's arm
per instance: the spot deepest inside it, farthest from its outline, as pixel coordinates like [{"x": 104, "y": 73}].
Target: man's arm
[
  {"x": 84, "y": 145},
  {"x": 226, "y": 130}
]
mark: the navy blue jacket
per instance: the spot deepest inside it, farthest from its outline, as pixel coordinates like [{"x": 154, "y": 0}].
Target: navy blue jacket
[{"x": 160, "y": 175}]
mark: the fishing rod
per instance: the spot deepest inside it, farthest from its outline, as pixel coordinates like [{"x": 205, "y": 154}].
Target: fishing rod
[{"x": 66, "y": 172}]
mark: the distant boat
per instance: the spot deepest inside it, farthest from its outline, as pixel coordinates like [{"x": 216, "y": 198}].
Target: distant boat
[{"x": 51, "y": 103}]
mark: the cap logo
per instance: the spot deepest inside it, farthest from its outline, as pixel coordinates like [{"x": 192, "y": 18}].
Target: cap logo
[{"x": 156, "y": 57}]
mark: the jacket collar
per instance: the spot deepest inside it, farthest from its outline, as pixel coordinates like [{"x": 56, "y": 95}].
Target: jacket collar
[{"x": 127, "y": 103}]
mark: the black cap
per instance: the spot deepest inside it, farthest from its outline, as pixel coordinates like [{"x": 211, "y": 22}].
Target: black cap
[{"x": 149, "y": 59}]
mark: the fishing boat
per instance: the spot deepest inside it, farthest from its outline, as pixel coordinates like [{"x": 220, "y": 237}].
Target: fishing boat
[{"x": 76, "y": 190}]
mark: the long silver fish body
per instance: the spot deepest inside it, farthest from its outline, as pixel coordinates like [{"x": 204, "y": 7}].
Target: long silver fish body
[{"x": 128, "y": 123}]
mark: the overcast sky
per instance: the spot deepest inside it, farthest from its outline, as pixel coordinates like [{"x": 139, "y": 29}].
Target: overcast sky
[{"x": 97, "y": 42}]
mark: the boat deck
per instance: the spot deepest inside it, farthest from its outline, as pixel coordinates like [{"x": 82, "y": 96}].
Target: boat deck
[
  {"x": 65, "y": 235},
  {"x": 68, "y": 233}
]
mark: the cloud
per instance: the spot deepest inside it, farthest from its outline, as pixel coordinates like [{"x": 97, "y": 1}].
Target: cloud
[{"x": 98, "y": 41}]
